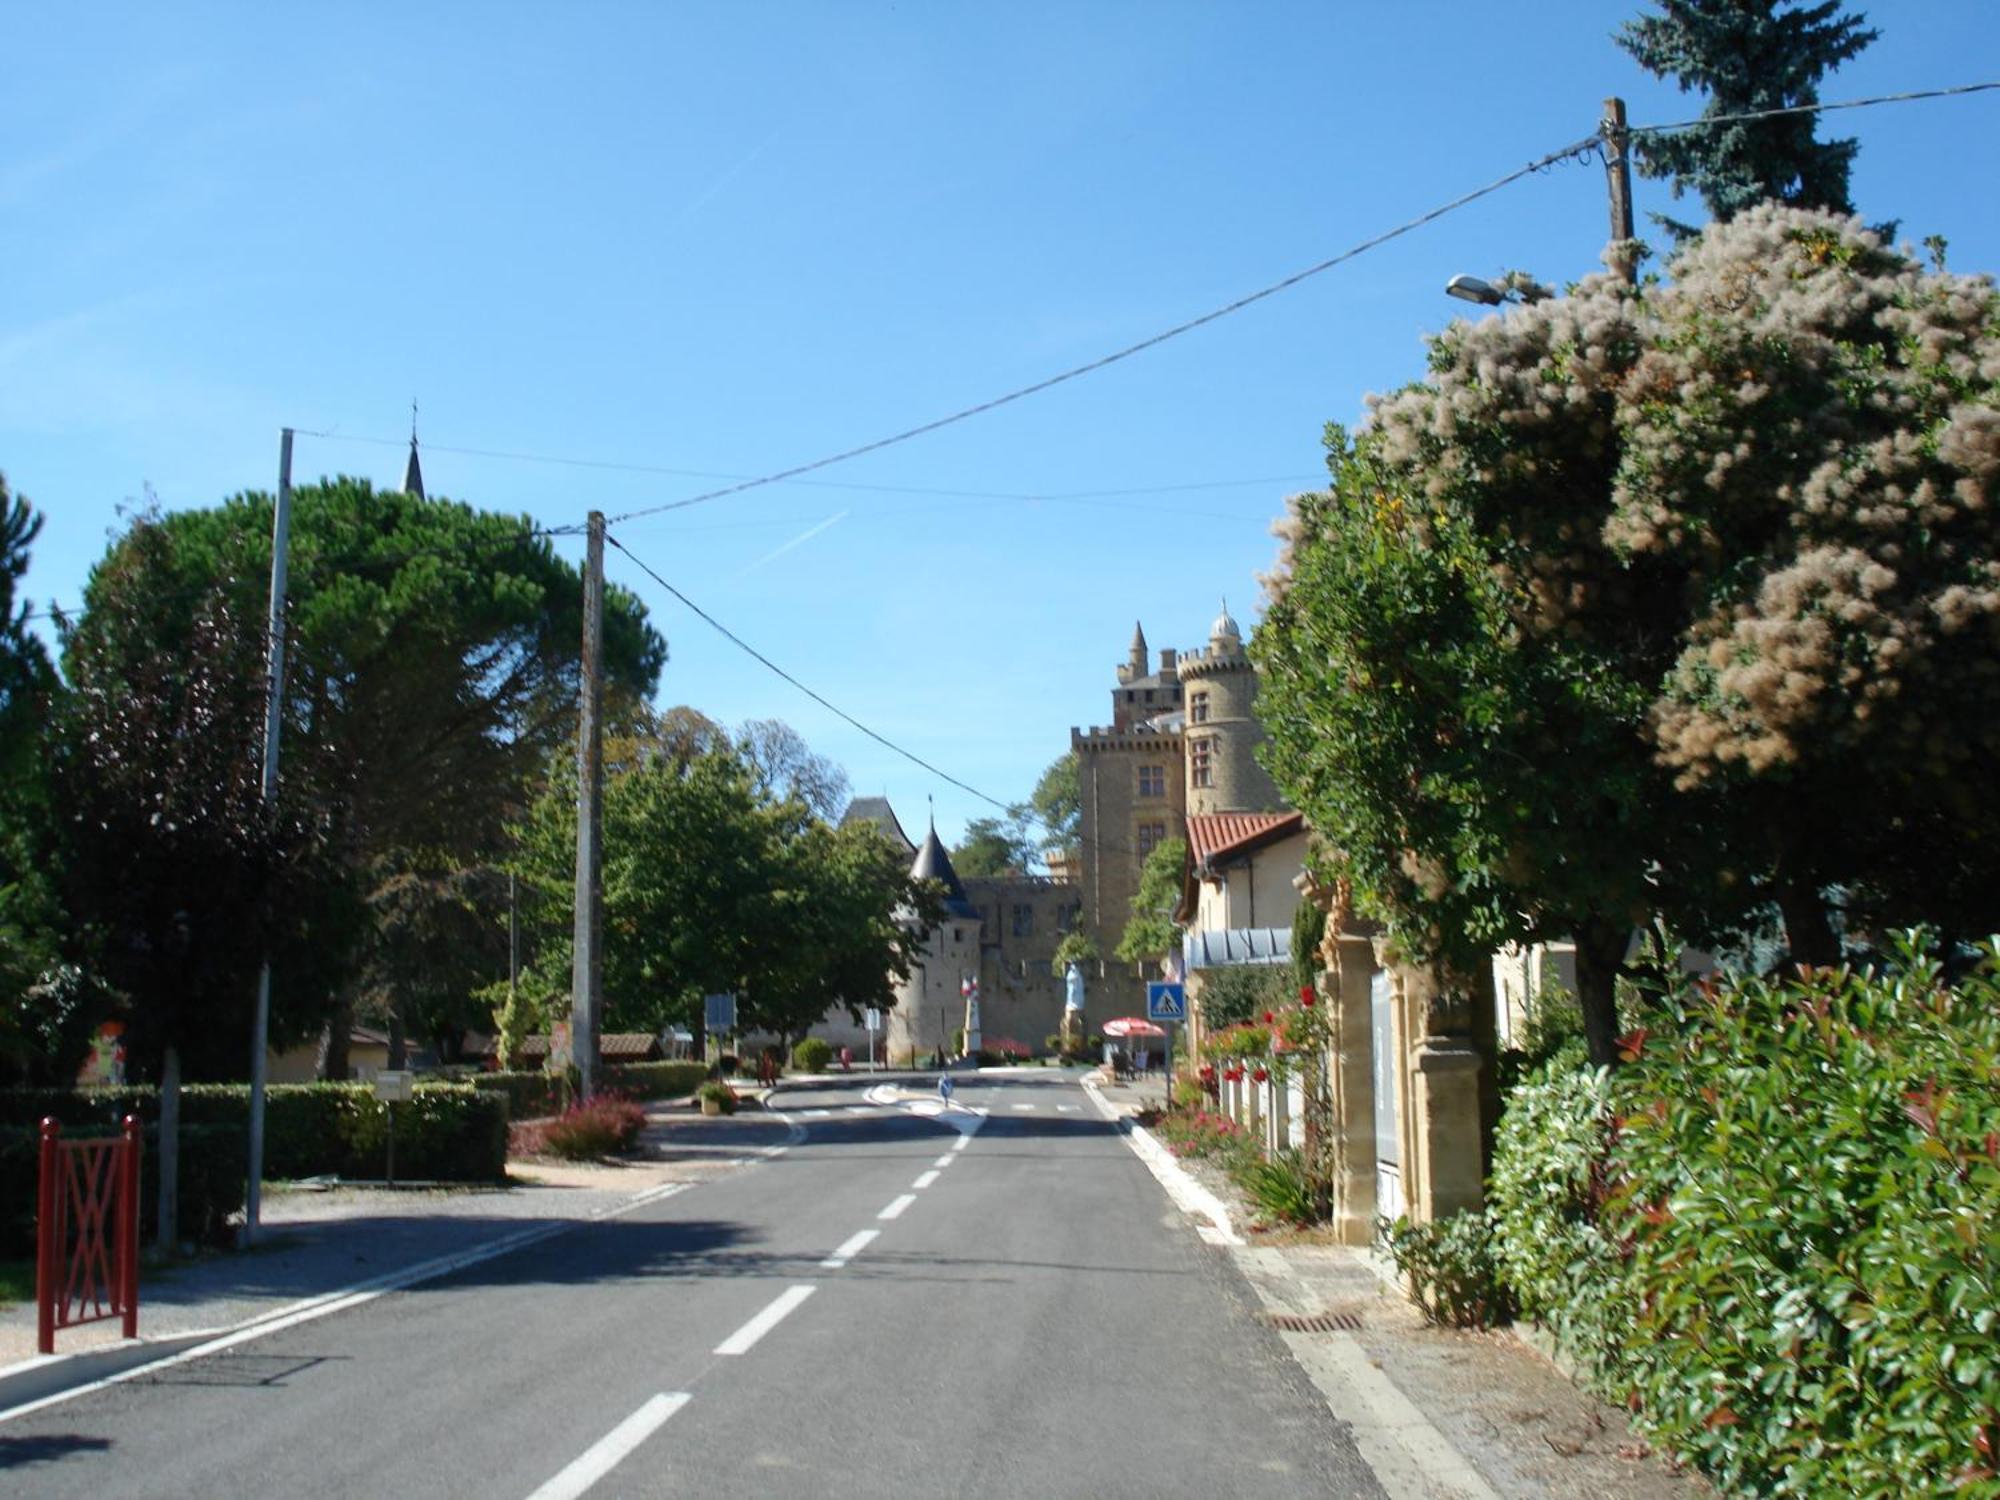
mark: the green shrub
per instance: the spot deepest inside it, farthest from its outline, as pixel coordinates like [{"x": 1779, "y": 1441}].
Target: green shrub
[
  {"x": 1281, "y": 1189},
  {"x": 1450, "y": 1266},
  {"x": 530, "y": 1093},
  {"x": 1795, "y": 1191},
  {"x": 213, "y": 1161},
  {"x": 719, "y": 1092},
  {"x": 1809, "y": 1175},
  {"x": 655, "y": 1080},
  {"x": 1543, "y": 1196},
  {"x": 812, "y": 1055}
]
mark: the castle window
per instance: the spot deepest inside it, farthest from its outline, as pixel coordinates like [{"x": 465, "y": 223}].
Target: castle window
[
  {"x": 1149, "y": 695},
  {"x": 1152, "y": 781},
  {"x": 1151, "y": 836},
  {"x": 1198, "y": 708},
  {"x": 1129, "y": 695},
  {"x": 1024, "y": 921},
  {"x": 1201, "y": 762}
]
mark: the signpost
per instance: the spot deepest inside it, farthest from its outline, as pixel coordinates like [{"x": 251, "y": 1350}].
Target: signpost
[
  {"x": 871, "y": 1018},
  {"x": 1166, "y": 1003},
  {"x": 393, "y": 1088}
]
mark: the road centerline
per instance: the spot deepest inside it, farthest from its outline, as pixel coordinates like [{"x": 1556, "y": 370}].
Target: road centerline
[
  {"x": 746, "y": 1337},
  {"x": 895, "y": 1210},
  {"x": 850, "y": 1247},
  {"x": 925, "y": 1180},
  {"x": 944, "y": 1161},
  {"x": 604, "y": 1455}
]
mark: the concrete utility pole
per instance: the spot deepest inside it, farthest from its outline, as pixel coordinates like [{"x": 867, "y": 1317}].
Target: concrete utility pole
[
  {"x": 274, "y": 685},
  {"x": 587, "y": 958},
  {"x": 1618, "y": 179}
]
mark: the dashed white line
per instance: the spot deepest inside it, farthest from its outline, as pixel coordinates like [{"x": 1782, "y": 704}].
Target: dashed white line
[
  {"x": 1066, "y": 1109},
  {"x": 1024, "y": 1106},
  {"x": 925, "y": 1180},
  {"x": 604, "y": 1455},
  {"x": 745, "y": 1338},
  {"x": 961, "y": 1143},
  {"x": 895, "y": 1210},
  {"x": 817, "y": 1114},
  {"x": 944, "y": 1161},
  {"x": 852, "y": 1246},
  {"x": 849, "y": 1249},
  {"x": 859, "y": 1109}
]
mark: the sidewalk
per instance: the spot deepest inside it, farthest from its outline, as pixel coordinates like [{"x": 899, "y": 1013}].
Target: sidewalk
[
  {"x": 328, "y": 1244},
  {"x": 1436, "y": 1411}
]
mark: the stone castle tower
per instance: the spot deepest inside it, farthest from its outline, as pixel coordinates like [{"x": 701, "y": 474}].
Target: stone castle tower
[{"x": 1222, "y": 731}]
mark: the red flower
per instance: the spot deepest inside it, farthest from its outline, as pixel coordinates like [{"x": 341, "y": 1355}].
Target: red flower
[
  {"x": 1261, "y": 1075},
  {"x": 1269, "y": 1018},
  {"x": 1305, "y": 994}
]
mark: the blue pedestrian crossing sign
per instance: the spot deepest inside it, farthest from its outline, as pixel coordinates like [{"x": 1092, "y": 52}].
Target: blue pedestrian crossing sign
[{"x": 1166, "y": 1002}]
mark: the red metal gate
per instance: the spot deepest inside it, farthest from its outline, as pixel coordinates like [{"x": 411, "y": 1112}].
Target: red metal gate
[{"x": 87, "y": 1232}]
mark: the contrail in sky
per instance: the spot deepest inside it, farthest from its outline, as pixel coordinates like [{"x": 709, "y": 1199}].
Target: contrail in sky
[{"x": 779, "y": 551}]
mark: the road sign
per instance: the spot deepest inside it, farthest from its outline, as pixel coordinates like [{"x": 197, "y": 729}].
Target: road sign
[
  {"x": 394, "y": 1088},
  {"x": 944, "y": 1087},
  {"x": 871, "y": 1019},
  {"x": 719, "y": 1012},
  {"x": 1166, "y": 1002}
]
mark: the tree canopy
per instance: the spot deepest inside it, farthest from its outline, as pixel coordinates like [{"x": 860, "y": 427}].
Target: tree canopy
[
  {"x": 1748, "y": 56},
  {"x": 1677, "y": 599},
  {"x": 1152, "y": 932}
]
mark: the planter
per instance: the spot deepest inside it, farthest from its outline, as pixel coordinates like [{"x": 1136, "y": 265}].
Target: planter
[{"x": 711, "y": 1106}]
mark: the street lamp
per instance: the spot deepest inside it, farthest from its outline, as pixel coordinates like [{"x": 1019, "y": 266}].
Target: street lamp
[{"x": 1472, "y": 289}]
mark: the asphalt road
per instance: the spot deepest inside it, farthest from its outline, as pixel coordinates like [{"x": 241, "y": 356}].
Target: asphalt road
[{"x": 903, "y": 1303}]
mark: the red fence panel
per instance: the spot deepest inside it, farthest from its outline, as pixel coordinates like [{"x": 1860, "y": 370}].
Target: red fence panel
[{"x": 87, "y": 1232}]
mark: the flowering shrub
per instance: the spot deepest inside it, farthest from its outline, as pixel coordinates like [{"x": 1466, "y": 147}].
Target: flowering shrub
[{"x": 600, "y": 1126}]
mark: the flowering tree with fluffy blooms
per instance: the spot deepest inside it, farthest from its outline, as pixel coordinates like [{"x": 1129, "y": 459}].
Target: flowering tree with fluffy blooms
[{"x": 1677, "y": 599}]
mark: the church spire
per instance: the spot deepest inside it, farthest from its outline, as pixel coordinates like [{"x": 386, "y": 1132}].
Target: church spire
[
  {"x": 1138, "y": 650},
  {"x": 413, "y": 472}
]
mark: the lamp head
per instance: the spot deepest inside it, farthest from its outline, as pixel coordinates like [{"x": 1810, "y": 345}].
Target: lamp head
[{"x": 1472, "y": 289}]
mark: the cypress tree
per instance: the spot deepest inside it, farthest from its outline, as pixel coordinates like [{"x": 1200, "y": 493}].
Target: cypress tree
[{"x": 1748, "y": 55}]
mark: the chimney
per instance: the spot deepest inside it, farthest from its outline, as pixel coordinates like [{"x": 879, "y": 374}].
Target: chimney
[{"x": 1169, "y": 660}]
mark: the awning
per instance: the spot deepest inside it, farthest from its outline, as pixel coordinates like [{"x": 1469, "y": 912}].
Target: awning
[{"x": 1236, "y": 947}]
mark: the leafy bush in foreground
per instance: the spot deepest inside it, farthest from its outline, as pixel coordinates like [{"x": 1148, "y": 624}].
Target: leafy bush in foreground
[{"x": 1784, "y": 1245}]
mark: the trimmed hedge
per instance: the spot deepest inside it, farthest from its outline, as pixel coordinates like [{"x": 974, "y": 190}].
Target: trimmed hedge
[
  {"x": 212, "y": 1159},
  {"x": 655, "y": 1080},
  {"x": 447, "y": 1133},
  {"x": 530, "y": 1094},
  {"x": 1778, "y": 1230}
]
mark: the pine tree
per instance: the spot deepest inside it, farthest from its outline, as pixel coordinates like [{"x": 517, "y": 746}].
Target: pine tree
[{"x": 1748, "y": 55}]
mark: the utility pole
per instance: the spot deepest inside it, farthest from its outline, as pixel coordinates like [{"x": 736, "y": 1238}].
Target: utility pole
[
  {"x": 587, "y": 949},
  {"x": 1618, "y": 179},
  {"x": 274, "y": 683}
]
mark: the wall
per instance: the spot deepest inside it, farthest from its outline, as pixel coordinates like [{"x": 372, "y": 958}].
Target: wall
[{"x": 1108, "y": 763}]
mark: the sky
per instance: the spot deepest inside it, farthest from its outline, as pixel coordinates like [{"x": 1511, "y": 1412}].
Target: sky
[{"x": 672, "y": 245}]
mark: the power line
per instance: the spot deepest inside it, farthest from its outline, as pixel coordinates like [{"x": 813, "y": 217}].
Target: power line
[
  {"x": 1540, "y": 164},
  {"x": 1811, "y": 109},
  {"x": 835, "y": 709}
]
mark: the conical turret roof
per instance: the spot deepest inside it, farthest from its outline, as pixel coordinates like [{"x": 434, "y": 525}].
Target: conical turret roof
[
  {"x": 933, "y": 863},
  {"x": 413, "y": 472}
]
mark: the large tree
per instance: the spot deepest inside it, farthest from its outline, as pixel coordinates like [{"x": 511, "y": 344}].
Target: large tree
[
  {"x": 38, "y": 1036},
  {"x": 1747, "y": 56},
  {"x": 433, "y": 667},
  {"x": 1677, "y": 599}
]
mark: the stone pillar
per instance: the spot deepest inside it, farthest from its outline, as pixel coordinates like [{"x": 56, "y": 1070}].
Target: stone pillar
[
  {"x": 1351, "y": 1066},
  {"x": 1443, "y": 1164}
]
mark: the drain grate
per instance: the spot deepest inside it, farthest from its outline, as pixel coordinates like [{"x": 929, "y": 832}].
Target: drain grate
[{"x": 1333, "y": 1322}]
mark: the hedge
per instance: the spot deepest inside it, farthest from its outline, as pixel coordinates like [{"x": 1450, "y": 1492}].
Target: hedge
[
  {"x": 211, "y": 1183},
  {"x": 447, "y": 1133},
  {"x": 655, "y": 1080},
  {"x": 1777, "y": 1231}
]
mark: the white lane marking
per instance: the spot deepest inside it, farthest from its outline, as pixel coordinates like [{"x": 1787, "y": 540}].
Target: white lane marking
[
  {"x": 1065, "y": 1109},
  {"x": 745, "y": 1338},
  {"x": 604, "y": 1455},
  {"x": 895, "y": 1210},
  {"x": 817, "y": 1114},
  {"x": 925, "y": 1180},
  {"x": 775, "y": 1151},
  {"x": 311, "y": 1309},
  {"x": 961, "y": 1143},
  {"x": 1024, "y": 1106},
  {"x": 944, "y": 1161},
  {"x": 859, "y": 1109},
  {"x": 850, "y": 1247}
]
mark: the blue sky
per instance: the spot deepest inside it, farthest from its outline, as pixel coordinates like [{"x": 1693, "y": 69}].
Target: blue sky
[{"x": 726, "y": 239}]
